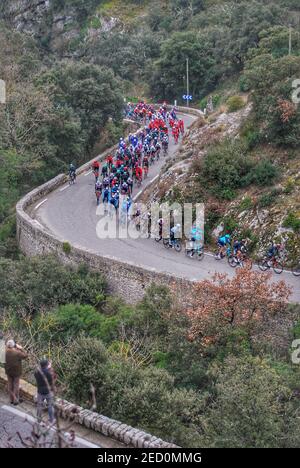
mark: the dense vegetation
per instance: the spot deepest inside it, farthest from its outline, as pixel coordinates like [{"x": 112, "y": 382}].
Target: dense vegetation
[
  {"x": 218, "y": 374},
  {"x": 60, "y": 95},
  {"x": 178, "y": 374}
]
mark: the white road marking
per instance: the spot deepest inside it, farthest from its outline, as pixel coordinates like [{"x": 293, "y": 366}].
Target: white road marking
[
  {"x": 209, "y": 255},
  {"x": 36, "y": 222},
  {"x": 31, "y": 419},
  {"x": 154, "y": 178},
  {"x": 40, "y": 204},
  {"x": 64, "y": 188}
]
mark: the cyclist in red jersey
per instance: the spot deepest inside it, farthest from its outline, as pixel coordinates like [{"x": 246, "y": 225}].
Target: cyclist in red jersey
[
  {"x": 146, "y": 166},
  {"x": 109, "y": 161},
  {"x": 139, "y": 174},
  {"x": 96, "y": 169}
]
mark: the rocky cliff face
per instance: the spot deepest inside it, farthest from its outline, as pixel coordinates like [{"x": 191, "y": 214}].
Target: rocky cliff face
[
  {"x": 38, "y": 19},
  {"x": 25, "y": 15},
  {"x": 63, "y": 30}
]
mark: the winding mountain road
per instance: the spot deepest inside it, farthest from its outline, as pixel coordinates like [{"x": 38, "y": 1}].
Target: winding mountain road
[{"x": 70, "y": 213}]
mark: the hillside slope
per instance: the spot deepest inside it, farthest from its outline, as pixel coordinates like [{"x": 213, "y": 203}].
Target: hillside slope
[{"x": 263, "y": 212}]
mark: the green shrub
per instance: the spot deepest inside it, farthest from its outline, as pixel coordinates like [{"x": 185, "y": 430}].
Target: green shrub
[
  {"x": 230, "y": 224},
  {"x": 245, "y": 85},
  {"x": 267, "y": 199},
  {"x": 146, "y": 398},
  {"x": 225, "y": 166},
  {"x": 290, "y": 186},
  {"x": 67, "y": 248},
  {"x": 72, "y": 319},
  {"x": 235, "y": 103},
  {"x": 292, "y": 221},
  {"x": 160, "y": 359},
  {"x": 246, "y": 204},
  {"x": 83, "y": 363},
  {"x": 221, "y": 167},
  {"x": 296, "y": 331},
  {"x": 263, "y": 173},
  {"x": 43, "y": 283},
  {"x": 226, "y": 194},
  {"x": 251, "y": 134}
]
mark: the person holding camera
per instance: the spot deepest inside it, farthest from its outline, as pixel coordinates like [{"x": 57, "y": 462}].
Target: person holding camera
[
  {"x": 14, "y": 355},
  {"x": 45, "y": 379}
]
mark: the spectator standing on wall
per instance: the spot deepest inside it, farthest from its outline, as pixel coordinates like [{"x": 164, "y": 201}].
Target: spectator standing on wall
[{"x": 14, "y": 356}]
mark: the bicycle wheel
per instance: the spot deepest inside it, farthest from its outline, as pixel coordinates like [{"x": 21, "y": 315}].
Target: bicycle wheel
[
  {"x": 296, "y": 270},
  {"x": 177, "y": 246},
  {"x": 189, "y": 253},
  {"x": 232, "y": 261},
  {"x": 217, "y": 255},
  {"x": 278, "y": 268},
  {"x": 200, "y": 255},
  {"x": 166, "y": 243},
  {"x": 263, "y": 265}
]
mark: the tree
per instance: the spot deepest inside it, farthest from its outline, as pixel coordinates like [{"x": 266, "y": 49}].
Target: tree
[
  {"x": 246, "y": 301},
  {"x": 251, "y": 407},
  {"x": 275, "y": 41},
  {"x": 270, "y": 80},
  {"x": 91, "y": 92},
  {"x": 35, "y": 284},
  {"x": 168, "y": 79}
]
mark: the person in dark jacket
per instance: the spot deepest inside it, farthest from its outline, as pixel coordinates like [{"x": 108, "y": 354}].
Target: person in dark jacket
[
  {"x": 45, "y": 389},
  {"x": 14, "y": 355}
]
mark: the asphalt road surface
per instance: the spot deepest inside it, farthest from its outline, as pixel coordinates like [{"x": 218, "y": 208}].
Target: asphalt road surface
[{"x": 70, "y": 212}]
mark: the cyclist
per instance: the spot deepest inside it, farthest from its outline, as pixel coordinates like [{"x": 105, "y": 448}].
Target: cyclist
[
  {"x": 130, "y": 185},
  {"x": 96, "y": 165},
  {"x": 158, "y": 148},
  {"x": 114, "y": 200},
  {"x": 152, "y": 153},
  {"x": 146, "y": 165},
  {"x": 106, "y": 195},
  {"x": 174, "y": 233},
  {"x": 98, "y": 191},
  {"x": 149, "y": 223},
  {"x": 175, "y": 133},
  {"x": 196, "y": 236},
  {"x": 104, "y": 171},
  {"x": 181, "y": 126},
  {"x": 106, "y": 182},
  {"x": 139, "y": 174},
  {"x": 124, "y": 188},
  {"x": 273, "y": 251},
  {"x": 165, "y": 144},
  {"x": 240, "y": 248},
  {"x": 160, "y": 223},
  {"x": 223, "y": 242},
  {"x": 72, "y": 172},
  {"x": 126, "y": 204},
  {"x": 109, "y": 161}
]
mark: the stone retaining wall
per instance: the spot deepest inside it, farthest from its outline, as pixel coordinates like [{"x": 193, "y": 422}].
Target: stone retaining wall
[{"x": 94, "y": 421}]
